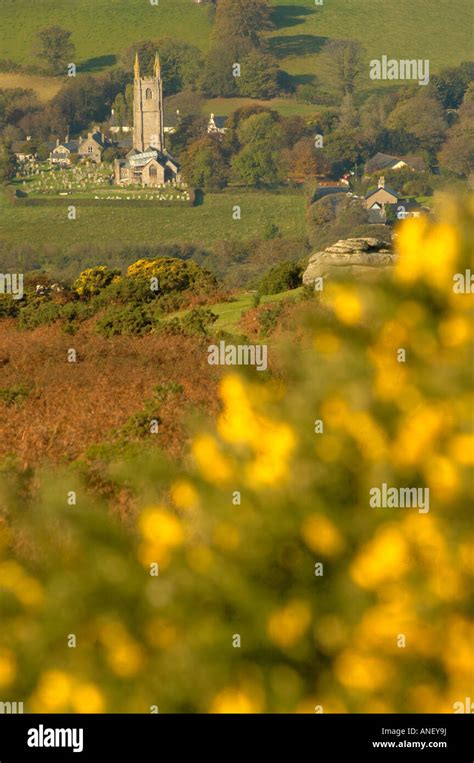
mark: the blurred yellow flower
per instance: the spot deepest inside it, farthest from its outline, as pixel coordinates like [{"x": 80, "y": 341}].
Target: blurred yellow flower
[
  {"x": 272, "y": 455},
  {"x": 162, "y": 532},
  {"x": 417, "y": 433},
  {"x": 87, "y": 698},
  {"x": 158, "y": 525},
  {"x": 287, "y": 625},
  {"x": 362, "y": 672},
  {"x": 442, "y": 478},
  {"x": 184, "y": 496},
  {"x": 212, "y": 464},
  {"x": 345, "y": 302},
  {"x": 454, "y": 331},
  {"x": 7, "y": 667},
  {"x": 26, "y": 588},
  {"x": 123, "y": 654},
  {"x": 232, "y": 700},
  {"x": 53, "y": 693},
  {"x": 458, "y": 648},
  {"x": 271, "y": 442},
  {"x": 461, "y": 449},
  {"x": 385, "y": 557},
  {"x": 427, "y": 252},
  {"x": 321, "y": 535}
]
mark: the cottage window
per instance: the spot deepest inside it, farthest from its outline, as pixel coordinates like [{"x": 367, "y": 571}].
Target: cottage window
[{"x": 153, "y": 173}]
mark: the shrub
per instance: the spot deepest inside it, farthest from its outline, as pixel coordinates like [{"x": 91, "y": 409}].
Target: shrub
[
  {"x": 282, "y": 277},
  {"x": 173, "y": 274},
  {"x": 93, "y": 280},
  {"x": 39, "y": 311},
  {"x": 127, "y": 319},
  {"x": 13, "y": 395}
]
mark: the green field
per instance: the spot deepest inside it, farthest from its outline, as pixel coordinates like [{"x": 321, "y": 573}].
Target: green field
[
  {"x": 230, "y": 313},
  {"x": 440, "y": 30},
  {"x": 117, "y": 224},
  {"x": 101, "y": 28}
]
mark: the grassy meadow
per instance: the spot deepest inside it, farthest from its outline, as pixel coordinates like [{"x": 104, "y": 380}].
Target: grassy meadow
[
  {"x": 116, "y": 222},
  {"x": 101, "y": 29},
  {"x": 439, "y": 31}
]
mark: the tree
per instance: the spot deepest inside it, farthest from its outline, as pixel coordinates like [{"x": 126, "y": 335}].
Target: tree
[
  {"x": 187, "y": 102},
  {"x": 190, "y": 128},
  {"x": 258, "y": 162},
  {"x": 231, "y": 138},
  {"x": 451, "y": 84},
  {"x": 8, "y": 163},
  {"x": 218, "y": 78},
  {"x": 204, "y": 164},
  {"x": 457, "y": 153},
  {"x": 341, "y": 64},
  {"x": 344, "y": 148},
  {"x": 55, "y": 47},
  {"x": 259, "y": 77},
  {"x": 348, "y": 113},
  {"x": 263, "y": 129},
  {"x": 303, "y": 162},
  {"x": 242, "y": 22},
  {"x": 422, "y": 117}
]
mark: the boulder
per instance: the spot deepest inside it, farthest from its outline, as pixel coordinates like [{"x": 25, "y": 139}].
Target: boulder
[{"x": 357, "y": 255}]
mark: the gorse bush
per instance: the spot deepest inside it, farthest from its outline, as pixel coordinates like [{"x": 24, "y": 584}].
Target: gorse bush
[
  {"x": 257, "y": 574},
  {"x": 124, "y": 319}
]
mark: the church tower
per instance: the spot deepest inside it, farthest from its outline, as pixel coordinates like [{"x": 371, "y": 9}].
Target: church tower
[{"x": 148, "y": 122}]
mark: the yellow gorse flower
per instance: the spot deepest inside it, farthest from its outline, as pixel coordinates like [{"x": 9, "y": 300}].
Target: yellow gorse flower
[
  {"x": 271, "y": 442},
  {"x": 287, "y": 625},
  {"x": 162, "y": 532},
  {"x": 427, "y": 252}
]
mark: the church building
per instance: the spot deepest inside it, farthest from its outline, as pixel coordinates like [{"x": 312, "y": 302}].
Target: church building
[{"x": 148, "y": 163}]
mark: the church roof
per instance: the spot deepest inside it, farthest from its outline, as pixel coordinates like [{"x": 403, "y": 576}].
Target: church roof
[{"x": 142, "y": 158}]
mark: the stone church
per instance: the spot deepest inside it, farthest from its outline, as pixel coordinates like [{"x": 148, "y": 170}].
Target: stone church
[{"x": 148, "y": 163}]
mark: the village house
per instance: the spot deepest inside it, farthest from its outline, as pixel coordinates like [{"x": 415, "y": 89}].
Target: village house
[
  {"x": 63, "y": 152},
  {"x": 94, "y": 145},
  {"x": 380, "y": 162},
  {"x": 379, "y": 199},
  {"x": 23, "y": 150}
]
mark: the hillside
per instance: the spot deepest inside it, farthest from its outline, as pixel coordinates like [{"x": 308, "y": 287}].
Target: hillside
[
  {"x": 397, "y": 28},
  {"x": 102, "y": 28}
]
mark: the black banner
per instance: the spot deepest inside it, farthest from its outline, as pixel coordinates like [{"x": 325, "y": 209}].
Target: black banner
[{"x": 147, "y": 737}]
